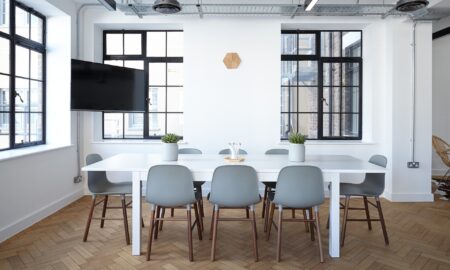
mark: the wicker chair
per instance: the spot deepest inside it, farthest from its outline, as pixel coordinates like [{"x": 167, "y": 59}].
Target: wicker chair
[{"x": 442, "y": 148}]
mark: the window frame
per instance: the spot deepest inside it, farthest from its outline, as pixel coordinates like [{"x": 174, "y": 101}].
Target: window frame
[
  {"x": 146, "y": 61},
  {"x": 29, "y": 44},
  {"x": 321, "y": 60}
]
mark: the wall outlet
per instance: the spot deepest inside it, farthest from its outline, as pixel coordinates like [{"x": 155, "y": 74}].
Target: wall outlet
[
  {"x": 78, "y": 179},
  {"x": 413, "y": 164}
]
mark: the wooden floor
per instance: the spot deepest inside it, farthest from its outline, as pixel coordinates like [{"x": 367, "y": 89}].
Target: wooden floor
[{"x": 419, "y": 235}]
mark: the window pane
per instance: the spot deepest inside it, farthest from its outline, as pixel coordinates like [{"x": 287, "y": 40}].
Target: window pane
[
  {"x": 113, "y": 125},
  {"x": 157, "y": 97},
  {"x": 307, "y": 99},
  {"x": 288, "y": 73},
  {"x": 36, "y": 65},
  {"x": 175, "y": 123},
  {"x": 118, "y": 63},
  {"x": 350, "y": 99},
  {"x": 133, "y": 44},
  {"x": 4, "y": 18},
  {"x": 331, "y": 44},
  {"x": 134, "y": 125},
  {"x": 37, "y": 26},
  {"x": 36, "y": 96},
  {"x": 35, "y": 127},
  {"x": 4, "y": 93},
  {"x": 350, "y": 125},
  {"x": 350, "y": 74},
  {"x": 157, "y": 73},
  {"x": 332, "y": 74},
  {"x": 138, "y": 64},
  {"x": 306, "y": 44},
  {"x": 175, "y": 99},
  {"x": 22, "y": 62},
  {"x": 156, "y": 123},
  {"x": 4, "y": 55},
  {"x": 351, "y": 44},
  {"x": 289, "y": 44},
  {"x": 22, "y": 128},
  {"x": 308, "y": 125},
  {"x": 22, "y": 92},
  {"x": 285, "y": 99},
  {"x": 156, "y": 44},
  {"x": 331, "y": 125},
  {"x": 332, "y": 99},
  {"x": 175, "y": 44},
  {"x": 174, "y": 74},
  {"x": 289, "y": 124},
  {"x": 4, "y": 130},
  {"x": 114, "y": 44},
  {"x": 22, "y": 23},
  {"x": 307, "y": 73}
]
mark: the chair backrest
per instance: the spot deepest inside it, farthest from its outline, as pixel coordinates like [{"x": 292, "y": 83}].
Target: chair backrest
[
  {"x": 170, "y": 186},
  {"x": 374, "y": 182},
  {"x": 189, "y": 151},
  {"x": 442, "y": 148},
  {"x": 234, "y": 186},
  {"x": 277, "y": 151},
  {"x": 97, "y": 181},
  {"x": 228, "y": 152},
  {"x": 300, "y": 187}
]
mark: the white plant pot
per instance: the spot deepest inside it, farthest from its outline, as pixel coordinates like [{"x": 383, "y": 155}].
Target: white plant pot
[
  {"x": 296, "y": 152},
  {"x": 170, "y": 152}
]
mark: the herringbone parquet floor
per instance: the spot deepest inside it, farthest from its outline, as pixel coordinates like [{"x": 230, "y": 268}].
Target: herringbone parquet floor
[{"x": 419, "y": 235}]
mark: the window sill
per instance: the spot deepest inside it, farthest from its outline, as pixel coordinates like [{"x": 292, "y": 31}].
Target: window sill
[
  {"x": 28, "y": 151},
  {"x": 316, "y": 142},
  {"x": 132, "y": 141}
]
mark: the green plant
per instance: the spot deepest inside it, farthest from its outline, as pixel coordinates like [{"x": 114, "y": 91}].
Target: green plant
[
  {"x": 170, "y": 138},
  {"x": 297, "y": 138}
]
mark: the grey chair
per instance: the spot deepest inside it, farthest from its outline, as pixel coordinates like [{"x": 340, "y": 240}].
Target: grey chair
[
  {"x": 171, "y": 186},
  {"x": 372, "y": 186},
  {"x": 197, "y": 186},
  {"x": 228, "y": 152},
  {"x": 99, "y": 185},
  {"x": 234, "y": 187},
  {"x": 298, "y": 187}
]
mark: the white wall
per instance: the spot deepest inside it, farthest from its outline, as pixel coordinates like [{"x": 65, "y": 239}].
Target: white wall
[{"x": 36, "y": 185}]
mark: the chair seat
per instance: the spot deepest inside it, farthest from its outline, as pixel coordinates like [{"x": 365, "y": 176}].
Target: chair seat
[
  {"x": 116, "y": 189},
  {"x": 347, "y": 189},
  {"x": 207, "y": 197},
  {"x": 270, "y": 184}
]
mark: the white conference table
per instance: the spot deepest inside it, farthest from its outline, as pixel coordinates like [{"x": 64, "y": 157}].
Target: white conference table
[{"x": 267, "y": 167}]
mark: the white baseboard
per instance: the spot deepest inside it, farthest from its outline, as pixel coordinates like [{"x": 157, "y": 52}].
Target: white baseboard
[
  {"x": 409, "y": 197},
  {"x": 25, "y": 222}
]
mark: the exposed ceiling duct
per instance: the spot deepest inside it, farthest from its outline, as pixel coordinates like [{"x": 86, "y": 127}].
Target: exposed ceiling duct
[
  {"x": 108, "y": 4},
  {"x": 167, "y": 6},
  {"x": 410, "y": 5}
]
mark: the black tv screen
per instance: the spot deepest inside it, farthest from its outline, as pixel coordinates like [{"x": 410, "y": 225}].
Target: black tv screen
[{"x": 98, "y": 87}]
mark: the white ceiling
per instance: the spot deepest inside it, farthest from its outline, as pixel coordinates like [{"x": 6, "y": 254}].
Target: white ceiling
[{"x": 256, "y": 1}]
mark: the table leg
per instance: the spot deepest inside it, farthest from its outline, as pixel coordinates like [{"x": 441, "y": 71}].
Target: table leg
[
  {"x": 136, "y": 215},
  {"x": 334, "y": 244}
]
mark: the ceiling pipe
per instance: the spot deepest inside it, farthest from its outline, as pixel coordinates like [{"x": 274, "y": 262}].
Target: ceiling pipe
[
  {"x": 297, "y": 8},
  {"x": 200, "y": 11},
  {"x": 135, "y": 10}
]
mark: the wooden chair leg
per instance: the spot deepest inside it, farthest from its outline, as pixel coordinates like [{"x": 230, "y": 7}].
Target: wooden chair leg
[
  {"x": 150, "y": 234},
  {"x": 293, "y": 213},
  {"x": 366, "y": 206},
  {"x": 142, "y": 222},
  {"x": 197, "y": 219},
  {"x": 125, "y": 220},
  {"x": 383, "y": 225},
  {"x": 212, "y": 225},
  {"x": 255, "y": 235},
  {"x": 280, "y": 224},
  {"x": 311, "y": 225},
  {"x": 105, "y": 203},
  {"x": 344, "y": 222},
  {"x": 189, "y": 231},
  {"x": 214, "y": 240},
  {"x": 319, "y": 237},
  {"x": 163, "y": 212},
  {"x": 266, "y": 192},
  {"x": 328, "y": 222},
  {"x": 88, "y": 223},
  {"x": 158, "y": 215},
  {"x": 306, "y": 223},
  {"x": 269, "y": 222},
  {"x": 172, "y": 212},
  {"x": 266, "y": 215},
  {"x": 247, "y": 213}
]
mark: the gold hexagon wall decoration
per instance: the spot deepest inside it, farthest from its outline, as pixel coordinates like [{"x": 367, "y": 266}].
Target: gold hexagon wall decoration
[{"x": 232, "y": 60}]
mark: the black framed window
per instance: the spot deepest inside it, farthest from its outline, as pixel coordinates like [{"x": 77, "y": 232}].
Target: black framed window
[
  {"x": 321, "y": 84},
  {"x": 160, "y": 54},
  {"x": 22, "y": 76}
]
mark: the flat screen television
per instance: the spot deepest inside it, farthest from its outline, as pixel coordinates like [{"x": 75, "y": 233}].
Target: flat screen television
[{"x": 98, "y": 87}]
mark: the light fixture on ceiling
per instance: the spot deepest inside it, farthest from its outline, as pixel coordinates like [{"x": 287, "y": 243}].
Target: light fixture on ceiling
[
  {"x": 108, "y": 4},
  {"x": 309, "y": 6},
  {"x": 167, "y": 6},
  {"x": 410, "y": 5}
]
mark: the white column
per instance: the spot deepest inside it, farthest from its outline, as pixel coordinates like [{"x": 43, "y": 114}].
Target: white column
[
  {"x": 334, "y": 241},
  {"x": 136, "y": 217}
]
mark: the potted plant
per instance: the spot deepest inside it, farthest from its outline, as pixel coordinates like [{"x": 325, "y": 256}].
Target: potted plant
[
  {"x": 297, "y": 147},
  {"x": 170, "y": 151}
]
